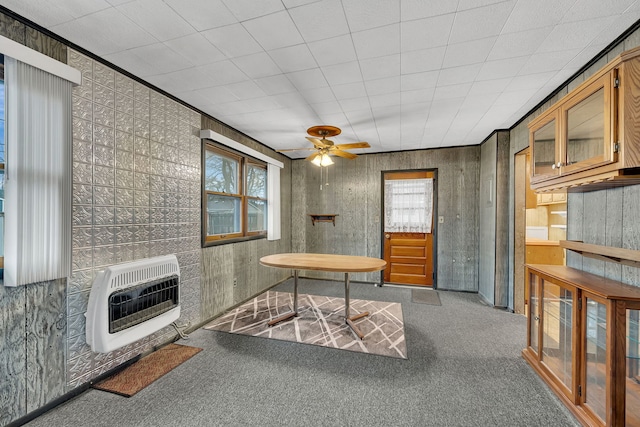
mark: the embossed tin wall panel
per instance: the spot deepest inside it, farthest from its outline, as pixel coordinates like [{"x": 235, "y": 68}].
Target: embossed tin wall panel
[{"x": 133, "y": 198}]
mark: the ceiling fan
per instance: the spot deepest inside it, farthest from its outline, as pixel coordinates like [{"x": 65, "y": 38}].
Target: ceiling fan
[{"x": 325, "y": 148}]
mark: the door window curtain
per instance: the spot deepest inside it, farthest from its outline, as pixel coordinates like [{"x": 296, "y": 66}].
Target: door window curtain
[
  {"x": 408, "y": 205},
  {"x": 38, "y": 175}
]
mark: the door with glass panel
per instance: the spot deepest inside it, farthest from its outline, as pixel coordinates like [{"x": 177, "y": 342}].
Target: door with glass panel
[{"x": 408, "y": 227}]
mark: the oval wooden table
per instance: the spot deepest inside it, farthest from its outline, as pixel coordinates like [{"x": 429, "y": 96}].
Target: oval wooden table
[{"x": 324, "y": 262}]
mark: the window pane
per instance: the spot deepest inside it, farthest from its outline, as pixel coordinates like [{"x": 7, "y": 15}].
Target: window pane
[
  {"x": 557, "y": 334},
  {"x": 544, "y": 149},
  {"x": 223, "y": 215},
  {"x": 585, "y": 129},
  {"x": 256, "y": 215},
  {"x": 221, "y": 173},
  {"x": 596, "y": 354},
  {"x": 256, "y": 182},
  {"x": 535, "y": 316}
]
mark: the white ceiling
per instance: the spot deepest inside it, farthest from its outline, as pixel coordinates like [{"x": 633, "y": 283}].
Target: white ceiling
[{"x": 399, "y": 74}]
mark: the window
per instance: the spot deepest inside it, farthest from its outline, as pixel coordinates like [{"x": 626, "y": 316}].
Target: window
[{"x": 235, "y": 196}]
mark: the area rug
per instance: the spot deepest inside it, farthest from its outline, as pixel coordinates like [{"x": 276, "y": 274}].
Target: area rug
[
  {"x": 140, "y": 374},
  {"x": 320, "y": 321},
  {"x": 425, "y": 296}
]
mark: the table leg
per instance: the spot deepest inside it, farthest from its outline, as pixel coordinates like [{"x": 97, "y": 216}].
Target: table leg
[
  {"x": 293, "y": 313},
  {"x": 350, "y": 319}
]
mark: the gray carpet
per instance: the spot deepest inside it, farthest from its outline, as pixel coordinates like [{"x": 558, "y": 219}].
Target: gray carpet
[{"x": 463, "y": 369}]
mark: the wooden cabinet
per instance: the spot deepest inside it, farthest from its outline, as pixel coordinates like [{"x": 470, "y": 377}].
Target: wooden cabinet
[
  {"x": 551, "y": 198},
  {"x": 582, "y": 339},
  {"x": 592, "y": 135}
]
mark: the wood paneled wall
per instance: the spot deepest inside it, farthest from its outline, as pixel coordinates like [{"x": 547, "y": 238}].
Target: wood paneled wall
[
  {"x": 487, "y": 219},
  {"x": 354, "y": 193},
  {"x": 238, "y": 263}
]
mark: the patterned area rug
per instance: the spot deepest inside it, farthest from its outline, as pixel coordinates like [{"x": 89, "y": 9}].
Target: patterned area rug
[
  {"x": 320, "y": 322},
  {"x": 140, "y": 374}
]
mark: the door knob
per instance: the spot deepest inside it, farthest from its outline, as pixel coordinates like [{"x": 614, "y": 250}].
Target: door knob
[{"x": 387, "y": 236}]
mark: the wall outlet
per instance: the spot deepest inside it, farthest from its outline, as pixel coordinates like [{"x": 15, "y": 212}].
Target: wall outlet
[{"x": 440, "y": 219}]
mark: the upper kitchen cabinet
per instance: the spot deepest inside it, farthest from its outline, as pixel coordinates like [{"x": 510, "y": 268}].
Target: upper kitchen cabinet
[{"x": 591, "y": 137}]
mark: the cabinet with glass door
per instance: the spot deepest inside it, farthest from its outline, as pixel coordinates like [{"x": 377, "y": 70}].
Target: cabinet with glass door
[
  {"x": 583, "y": 340},
  {"x": 591, "y": 134}
]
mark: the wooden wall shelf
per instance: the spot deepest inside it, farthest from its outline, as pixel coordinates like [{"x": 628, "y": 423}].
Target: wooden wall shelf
[
  {"x": 323, "y": 218},
  {"x": 605, "y": 253}
]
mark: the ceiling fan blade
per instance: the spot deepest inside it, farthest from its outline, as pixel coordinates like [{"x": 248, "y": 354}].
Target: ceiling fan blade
[
  {"x": 295, "y": 149},
  {"x": 352, "y": 145},
  {"x": 319, "y": 143},
  {"x": 313, "y": 156},
  {"x": 344, "y": 154}
]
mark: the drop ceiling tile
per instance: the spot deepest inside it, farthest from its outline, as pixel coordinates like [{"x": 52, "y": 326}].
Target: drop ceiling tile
[
  {"x": 481, "y": 22},
  {"x": 290, "y": 4},
  {"x": 515, "y": 97},
  {"x": 158, "y": 19},
  {"x": 366, "y": 14},
  {"x": 218, "y": 94},
  {"x": 377, "y": 42},
  {"x": 417, "y": 9},
  {"x": 320, "y": 20},
  {"x": 196, "y": 48},
  {"x": 527, "y": 15},
  {"x": 257, "y": 65},
  {"x": 219, "y": 73},
  {"x": 502, "y": 68},
  {"x": 335, "y": 50},
  {"x": 419, "y": 80},
  {"x": 338, "y": 74},
  {"x": 275, "y": 85},
  {"x": 293, "y": 58},
  {"x": 383, "y": 86},
  {"x": 471, "y": 52},
  {"x": 422, "y": 60},
  {"x": 379, "y": 68},
  {"x": 203, "y": 14},
  {"x": 573, "y": 35},
  {"x": 248, "y": 9},
  {"x": 120, "y": 34},
  {"x": 48, "y": 14},
  {"x": 233, "y": 40},
  {"x": 349, "y": 90},
  {"x": 452, "y": 91},
  {"x": 548, "y": 61},
  {"x": 325, "y": 108},
  {"x": 245, "y": 90},
  {"x": 488, "y": 87},
  {"x": 308, "y": 79},
  {"x": 354, "y": 104},
  {"x": 587, "y": 10},
  {"x": 262, "y": 30},
  {"x": 529, "y": 81},
  {"x": 152, "y": 59},
  {"x": 385, "y": 100},
  {"x": 426, "y": 33},
  {"x": 462, "y": 74},
  {"x": 418, "y": 96},
  {"x": 522, "y": 43},
  {"x": 318, "y": 95}
]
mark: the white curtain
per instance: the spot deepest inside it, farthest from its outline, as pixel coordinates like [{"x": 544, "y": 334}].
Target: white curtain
[
  {"x": 408, "y": 205},
  {"x": 38, "y": 175}
]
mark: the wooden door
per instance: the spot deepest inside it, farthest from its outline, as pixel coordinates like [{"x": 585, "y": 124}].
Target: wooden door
[{"x": 409, "y": 256}]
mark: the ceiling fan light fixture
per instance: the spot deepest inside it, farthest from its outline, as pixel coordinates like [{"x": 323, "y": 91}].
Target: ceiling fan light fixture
[
  {"x": 317, "y": 160},
  {"x": 325, "y": 160}
]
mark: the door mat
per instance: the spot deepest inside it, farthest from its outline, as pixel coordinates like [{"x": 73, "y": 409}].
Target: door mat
[
  {"x": 140, "y": 374},
  {"x": 425, "y": 296},
  {"x": 320, "y": 321}
]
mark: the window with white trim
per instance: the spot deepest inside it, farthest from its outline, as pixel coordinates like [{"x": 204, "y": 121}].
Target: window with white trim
[{"x": 235, "y": 196}]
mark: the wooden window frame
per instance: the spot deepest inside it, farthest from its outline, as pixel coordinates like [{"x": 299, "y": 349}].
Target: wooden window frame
[{"x": 243, "y": 162}]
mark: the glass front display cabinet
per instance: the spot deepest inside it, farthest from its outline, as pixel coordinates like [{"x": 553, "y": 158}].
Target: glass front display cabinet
[{"x": 583, "y": 339}]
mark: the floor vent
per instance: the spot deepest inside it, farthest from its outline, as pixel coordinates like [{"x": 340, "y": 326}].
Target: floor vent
[{"x": 131, "y": 301}]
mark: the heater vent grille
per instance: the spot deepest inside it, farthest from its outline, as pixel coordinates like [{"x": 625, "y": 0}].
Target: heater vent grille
[{"x": 132, "y": 306}]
